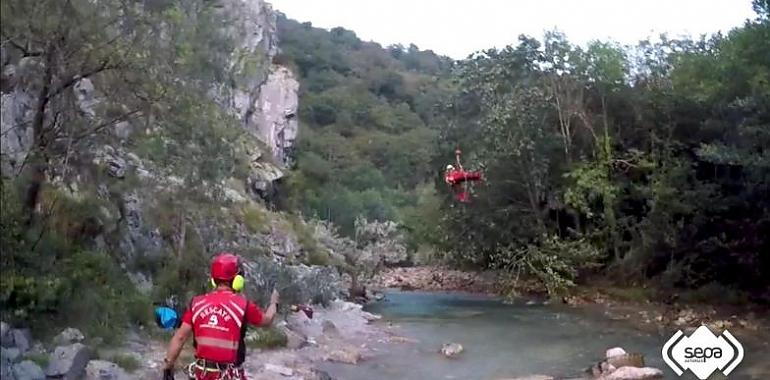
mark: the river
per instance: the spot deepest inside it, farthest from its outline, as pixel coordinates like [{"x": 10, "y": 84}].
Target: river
[{"x": 506, "y": 340}]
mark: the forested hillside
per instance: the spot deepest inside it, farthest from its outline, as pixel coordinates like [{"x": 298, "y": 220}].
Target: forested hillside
[
  {"x": 643, "y": 163},
  {"x": 640, "y": 163},
  {"x": 368, "y": 126}
]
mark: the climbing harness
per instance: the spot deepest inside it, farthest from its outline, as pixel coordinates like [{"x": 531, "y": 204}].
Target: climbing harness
[{"x": 205, "y": 370}]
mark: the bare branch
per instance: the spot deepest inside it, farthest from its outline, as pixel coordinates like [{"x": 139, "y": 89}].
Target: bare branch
[
  {"x": 25, "y": 51},
  {"x": 106, "y": 124},
  {"x": 104, "y": 66}
]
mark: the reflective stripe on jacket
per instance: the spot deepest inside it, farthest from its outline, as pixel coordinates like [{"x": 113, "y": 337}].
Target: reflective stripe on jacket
[{"x": 217, "y": 320}]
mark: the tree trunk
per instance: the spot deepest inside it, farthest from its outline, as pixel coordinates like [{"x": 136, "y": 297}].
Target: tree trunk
[
  {"x": 39, "y": 164},
  {"x": 182, "y": 237}
]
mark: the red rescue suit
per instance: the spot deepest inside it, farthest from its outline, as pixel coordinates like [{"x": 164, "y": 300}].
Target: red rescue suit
[
  {"x": 217, "y": 320},
  {"x": 456, "y": 177}
]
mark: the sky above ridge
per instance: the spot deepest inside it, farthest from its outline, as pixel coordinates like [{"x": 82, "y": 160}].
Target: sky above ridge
[{"x": 457, "y": 28}]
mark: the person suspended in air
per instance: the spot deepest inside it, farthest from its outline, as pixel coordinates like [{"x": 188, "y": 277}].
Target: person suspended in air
[{"x": 459, "y": 179}]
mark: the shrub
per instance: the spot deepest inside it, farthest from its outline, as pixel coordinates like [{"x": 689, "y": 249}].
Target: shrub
[
  {"x": 552, "y": 261},
  {"x": 318, "y": 257},
  {"x": 713, "y": 291},
  {"x": 269, "y": 337},
  {"x": 128, "y": 362},
  {"x": 98, "y": 297},
  {"x": 69, "y": 219},
  {"x": 255, "y": 219},
  {"x": 298, "y": 284},
  {"x": 39, "y": 358},
  {"x": 308, "y": 241},
  {"x": 633, "y": 294}
]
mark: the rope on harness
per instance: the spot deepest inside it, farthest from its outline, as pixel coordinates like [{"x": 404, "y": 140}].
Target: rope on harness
[{"x": 228, "y": 373}]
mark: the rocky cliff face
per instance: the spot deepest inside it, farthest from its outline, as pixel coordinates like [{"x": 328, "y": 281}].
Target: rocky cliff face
[
  {"x": 276, "y": 116},
  {"x": 15, "y": 114},
  {"x": 263, "y": 96},
  {"x": 136, "y": 216}
]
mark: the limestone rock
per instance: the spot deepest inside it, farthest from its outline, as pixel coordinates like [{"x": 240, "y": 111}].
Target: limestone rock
[
  {"x": 626, "y": 360},
  {"x": 11, "y": 354},
  {"x": 615, "y": 351},
  {"x": 401, "y": 339},
  {"x": 262, "y": 177},
  {"x": 6, "y": 339},
  {"x": 275, "y": 123},
  {"x": 320, "y": 375},
  {"x": 370, "y": 317},
  {"x": 104, "y": 370},
  {"x": 138, "y": 239},
  {"x": 68, "y": 336},
  {"x": 634, "y": 373},
  {"x": 282, "y": 242},
  {"x": 294, "y": 340},
  {"x": 264, "y": 96},
  {"x": 116, "y": 167},
  {"x": 22, "y": 339},
  {"x": 6, "y": 369},
  {"x": 86, "y": 99},
  {"x": 285, "y": 371},
  {"x": 141, "y": 281},
  {"x": 451, "y": 350},
  {"x": 233, "y": 195},
  {"x": 16, "y": 109},
  {"x": 68, "y": 362},
  {"x": 330, "y": 329},
  {"x": 28, "y": 370},
  {"x": 345, "y": 354},
  {"x": 8, "y": 356}
]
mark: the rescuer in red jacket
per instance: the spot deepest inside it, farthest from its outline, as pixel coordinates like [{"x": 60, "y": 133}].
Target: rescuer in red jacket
[
  {"x": 217, "y": 321},
  {"x": 457, "y": 178}
]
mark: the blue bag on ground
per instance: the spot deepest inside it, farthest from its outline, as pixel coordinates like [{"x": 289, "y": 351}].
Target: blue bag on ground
[{"x": 167, "y": 318}]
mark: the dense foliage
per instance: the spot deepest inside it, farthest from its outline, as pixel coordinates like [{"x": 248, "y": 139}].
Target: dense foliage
[
  {"x": 64, "y": 220},
  {"x": 368, "y": 123},
  {"x": 649, "y": 162}
]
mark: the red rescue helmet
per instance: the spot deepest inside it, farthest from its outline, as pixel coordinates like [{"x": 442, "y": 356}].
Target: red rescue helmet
[{"x": 224, "y": 267}]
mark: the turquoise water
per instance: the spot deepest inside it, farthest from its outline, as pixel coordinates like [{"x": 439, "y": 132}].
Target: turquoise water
[{"x": 503, "y": 340}]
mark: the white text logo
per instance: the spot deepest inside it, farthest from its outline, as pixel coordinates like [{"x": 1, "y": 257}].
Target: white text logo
[{"x": 702, "y": 352}]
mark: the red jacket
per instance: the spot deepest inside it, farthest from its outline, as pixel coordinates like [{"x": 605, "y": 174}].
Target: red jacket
[
  {"x": 218, "y": 319},
  {"x": 456, "y": 176}
]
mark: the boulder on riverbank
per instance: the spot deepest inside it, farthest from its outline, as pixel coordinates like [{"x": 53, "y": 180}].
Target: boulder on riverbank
[
  {"x": 28, "y": 370},
  {"x": 6, "y": 339},
  {"x": 15, "y": 344},
  {"x": 68, "y": 336},
  {"x": 634, "y": 373},
  {"x": 346, "y": 354},
  {"x": 22, "y": 339},
  {"x": 621, "y": 365},
  {"x": 451, "y": 350},
  {"x": 104, "y": 370},
  {"x": 68, "y": 362}
]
